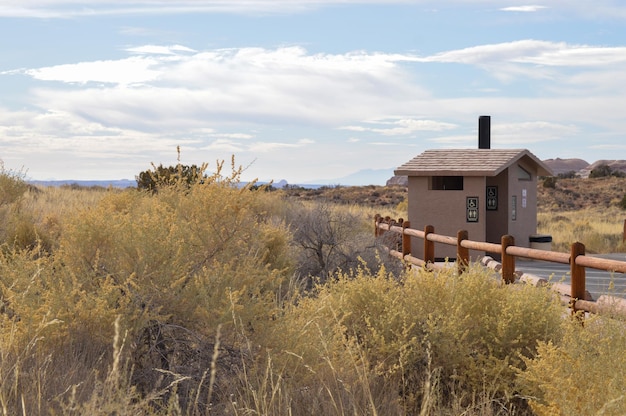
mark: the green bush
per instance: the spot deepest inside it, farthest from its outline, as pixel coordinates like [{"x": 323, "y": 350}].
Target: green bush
[
  {"x": 601, "y": 171},
  {"x": 182, "y": 177},
  {"x": 605, "y": 170},
  {"x": 568, "y": 175},
  {"x": 161, "y": 176},
  {"x": 549, "y": 182}
]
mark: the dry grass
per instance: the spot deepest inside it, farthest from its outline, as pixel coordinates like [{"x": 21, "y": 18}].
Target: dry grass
[
  {"x": 600, "y": 229},
  {"x": 187, "y": 302},
  {"x": 579, "y": 194},
  {"x": 584, "y": 210},
  {"x": 380, "y": 197}
]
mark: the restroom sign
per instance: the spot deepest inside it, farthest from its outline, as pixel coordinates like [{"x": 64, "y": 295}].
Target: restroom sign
[
  {"x": 492, "y": 198},
  {"x": 471, "y": 205}
]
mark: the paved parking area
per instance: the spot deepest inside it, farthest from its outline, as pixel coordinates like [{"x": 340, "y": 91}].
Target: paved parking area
[{"x": 597, "y": 282}]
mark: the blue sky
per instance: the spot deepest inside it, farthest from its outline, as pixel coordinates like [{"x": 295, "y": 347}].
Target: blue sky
[{"x": 303, "y": 90}]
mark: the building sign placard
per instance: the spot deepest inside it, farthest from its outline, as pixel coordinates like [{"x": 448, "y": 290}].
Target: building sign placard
[
  {"x": 471, "y": 204},
  {"x": 514, "y": 207},
  {"x": 492, "y": 198}
]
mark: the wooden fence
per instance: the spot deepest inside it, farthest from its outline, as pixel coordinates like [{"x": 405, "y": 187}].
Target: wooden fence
[{"x": 574, "y": 294}]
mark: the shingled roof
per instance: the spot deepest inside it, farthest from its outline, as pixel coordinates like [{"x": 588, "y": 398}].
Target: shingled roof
[{"x": 468, "y": 162}]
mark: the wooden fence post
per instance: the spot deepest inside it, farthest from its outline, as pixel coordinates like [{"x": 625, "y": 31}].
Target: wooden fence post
[
  {"x": 624, "y": 236},
  {"x": 508, "y": 261},
  {"x": 578, "y": 274},
  {"x": 397, "y": 239},
  {"x": 406, "y": 239},
  {"x": 462, "y": 253},
  {"x": 429, "y": 246},
  {"x": 377, "y": 220}
]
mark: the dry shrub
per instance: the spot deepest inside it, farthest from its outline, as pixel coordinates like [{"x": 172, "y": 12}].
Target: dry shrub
[
  {"x": 585, "y": 374},
  {"x": 173, "y": 265},
  {"x": 55, "y": 330},
  {"x": 330, "y": 238},
  {"x": 466, "y": 335},
  {"x": 171, "y": 249},
  {"x": 186, "y": 263},
  {"x": 12, "y": 185},
  {"x": 17, "y": 228},
  {"x": 185, "y": 302}
]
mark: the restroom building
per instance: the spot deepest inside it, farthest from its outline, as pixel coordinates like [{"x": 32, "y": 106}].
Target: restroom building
[{"x": 488, "y": 192}]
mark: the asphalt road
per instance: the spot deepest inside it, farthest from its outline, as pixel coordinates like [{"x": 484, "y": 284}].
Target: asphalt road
[{"x": 597, "y": 282}]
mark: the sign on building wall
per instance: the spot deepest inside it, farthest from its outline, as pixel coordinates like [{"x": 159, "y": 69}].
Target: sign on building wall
[
  {"x": 492, "y": 198},
  {"x": 471, "y": 204},
  {"x": 514, "y": 207}
]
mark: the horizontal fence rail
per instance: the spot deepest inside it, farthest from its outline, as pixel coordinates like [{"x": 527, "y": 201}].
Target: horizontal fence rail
[{"x": 574, "y": 294}]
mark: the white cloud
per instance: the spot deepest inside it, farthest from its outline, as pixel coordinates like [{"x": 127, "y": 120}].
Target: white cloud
[
  {"x": 251, "y": 85},
  {"x": 63, "y": 9},
  {"x": 535, "y": 52},
  {"x": 254, "y": 77},
  {"x": 256, "y": 86},
  {"x": 229, "y": 101},
  {"x": 80, "y": 8},
  {"x": 558, "y": 62},
  {"x": 263, "y": 147},
  {"x": 230, "y": 145},
  {"x": 233, "y": 135},
  {"x": 512, "y": 135},
  {"x": 402, "y": 127},
  {"x": 455, "y": 141},
  {"x": 133, "y": 70},
  {"x": 521, "y": 134},
  {"x": 60, "y": 142},
  {"x": 560, "y": 54},
  {"x": 615, "y": 147},
  {"x": 224, "y": 145},
  {"x": 159, "y": 50},
  {"x": 525, "y": 9}
]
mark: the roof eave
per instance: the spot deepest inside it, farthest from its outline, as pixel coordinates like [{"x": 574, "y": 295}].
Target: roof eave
[
  {"x": 542, "y": 169},
  {"x": 409, "y": 172}
]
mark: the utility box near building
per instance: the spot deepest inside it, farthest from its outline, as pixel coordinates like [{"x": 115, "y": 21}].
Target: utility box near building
[{"x": 488, "y": 192}]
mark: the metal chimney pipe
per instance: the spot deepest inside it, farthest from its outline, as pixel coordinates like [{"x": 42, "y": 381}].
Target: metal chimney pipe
[{"x": 484, "y": 132}]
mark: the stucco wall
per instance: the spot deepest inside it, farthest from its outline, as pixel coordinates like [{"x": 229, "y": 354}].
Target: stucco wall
[
  {"x": 525, "y": 191},
  {"x": 446, "y": 211},
  {"x": 498, "y": 220}
]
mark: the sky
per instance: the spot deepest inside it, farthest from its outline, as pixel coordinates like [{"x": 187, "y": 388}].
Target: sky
[{"x": 303, "y": 90}]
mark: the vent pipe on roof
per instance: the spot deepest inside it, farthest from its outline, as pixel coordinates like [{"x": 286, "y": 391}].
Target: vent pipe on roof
[{"x": 484, "y": 132}]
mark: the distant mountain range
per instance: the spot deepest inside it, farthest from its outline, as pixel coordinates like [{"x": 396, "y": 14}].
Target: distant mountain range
[
  {"x": 363, "y": 177},
  {"x": 558, "y": 166},
  {"x": 115, "y": 183},
  {"x": 581, "y": 167}
]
